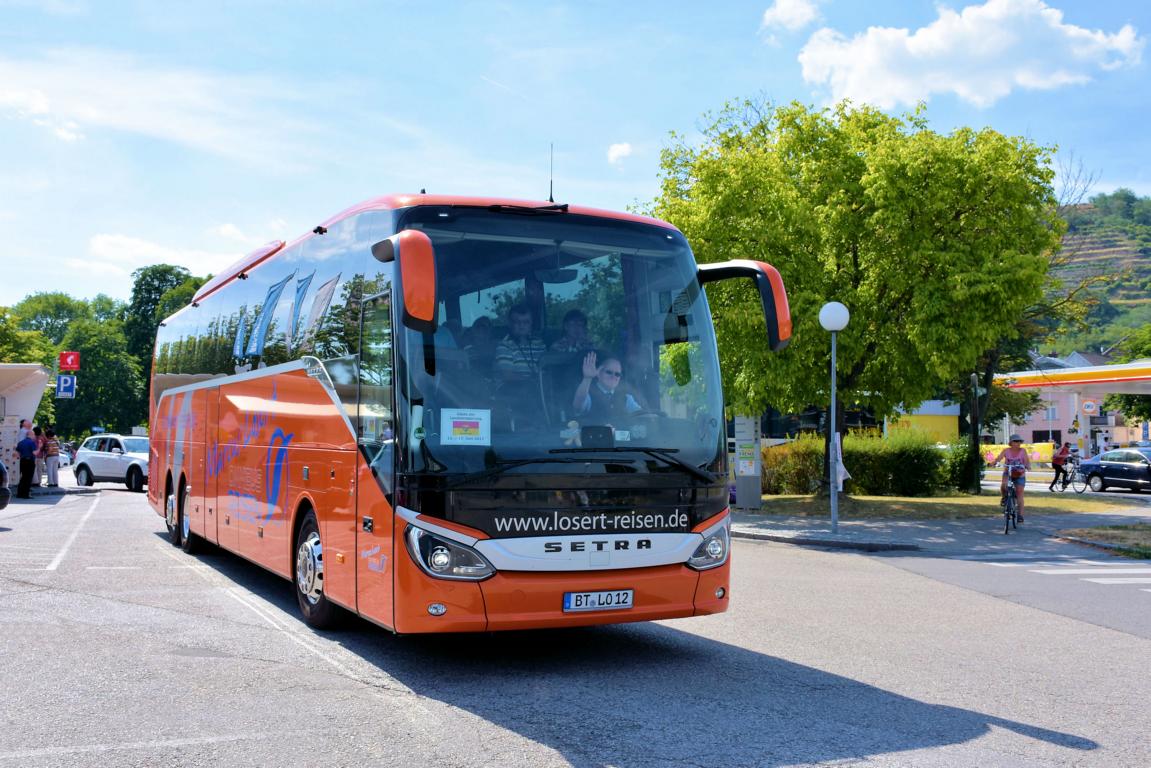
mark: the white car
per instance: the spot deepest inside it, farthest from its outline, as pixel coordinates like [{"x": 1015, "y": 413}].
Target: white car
[{"x": 113, "y": 458}]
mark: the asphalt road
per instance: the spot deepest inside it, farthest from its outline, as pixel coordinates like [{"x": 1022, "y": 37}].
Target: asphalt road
[{"x": 118, "y": 649}]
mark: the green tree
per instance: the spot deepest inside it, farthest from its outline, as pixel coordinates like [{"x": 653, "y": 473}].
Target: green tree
[
  {"x": 140, "y": 322},
  {"x": 24, "y": 346},
  {"x": 1136, "y": 347},
  {"x": 50, "y": 313},
  {"x": 110, "y": 385},
  {"x": 149, "y": 284},
  {"x": 935, "y": 243},
  {"x": 175, "y": 299},
  {"x": 105, "y": 308}
]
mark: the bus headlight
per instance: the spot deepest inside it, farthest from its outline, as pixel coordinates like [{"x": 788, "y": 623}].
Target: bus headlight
[
  {"x": 446, "y": 559},
  {"x": 712, "y": 551}
]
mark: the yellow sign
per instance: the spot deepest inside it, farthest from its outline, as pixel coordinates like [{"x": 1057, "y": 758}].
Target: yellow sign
[{"x": 1037, "y": 452}]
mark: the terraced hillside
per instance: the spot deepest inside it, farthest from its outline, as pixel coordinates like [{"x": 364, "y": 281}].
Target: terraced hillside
[{"x": 1106, "y": 251}]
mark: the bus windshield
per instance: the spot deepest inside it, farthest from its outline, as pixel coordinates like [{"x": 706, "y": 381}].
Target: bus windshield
[{"x": 565, "y": 343}]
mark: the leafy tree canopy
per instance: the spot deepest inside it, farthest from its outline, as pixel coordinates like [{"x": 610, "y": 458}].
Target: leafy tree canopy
[
  {"x": 1136, "y": 347},
  {"x": 110, "y": 385},
  {"x": 934, "y": 242},
  {"x": 175, "y": 299},
  {"x": 23, "y": 346},
  {"x": 50, "y": 313},
  {"x": 148, "y": 288}
]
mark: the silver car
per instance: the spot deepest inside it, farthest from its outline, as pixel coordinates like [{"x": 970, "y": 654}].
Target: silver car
[{"x": 113, "y": 458}]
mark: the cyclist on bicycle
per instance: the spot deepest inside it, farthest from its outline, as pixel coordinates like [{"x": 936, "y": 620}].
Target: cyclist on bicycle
[
  {"x": 1015, "y": 466},
  {"x": 1059, "y": 465}
]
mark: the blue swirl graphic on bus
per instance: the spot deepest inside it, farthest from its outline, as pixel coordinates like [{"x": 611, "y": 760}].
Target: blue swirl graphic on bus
[{"x": 275, "y": 464}]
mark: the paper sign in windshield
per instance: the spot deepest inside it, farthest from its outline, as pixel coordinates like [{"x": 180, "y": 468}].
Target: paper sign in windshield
[{"x": 465, "y": 426}]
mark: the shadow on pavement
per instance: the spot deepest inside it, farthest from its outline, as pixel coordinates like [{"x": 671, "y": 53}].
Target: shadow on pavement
[{"x": 649, "y": 694}]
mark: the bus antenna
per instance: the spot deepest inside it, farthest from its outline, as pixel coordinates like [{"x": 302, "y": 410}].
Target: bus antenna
[{"x": 551, "y": 171}]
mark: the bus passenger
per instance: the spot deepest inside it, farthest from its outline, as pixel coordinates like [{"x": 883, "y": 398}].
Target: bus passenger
[
  {"x": 575, "y": 338},
  {"x": 602, "y": 401},
  {"x": 518, "y": 355}
]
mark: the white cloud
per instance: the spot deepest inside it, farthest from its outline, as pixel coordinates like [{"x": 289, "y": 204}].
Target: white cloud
[
  {"x": 78, "y": 91},
  {"x": 792, "y": 15},
  {"x": 617, "y": 152},
  {"x": 121, "y": 254},
  {"x": 980, "y": 54}
]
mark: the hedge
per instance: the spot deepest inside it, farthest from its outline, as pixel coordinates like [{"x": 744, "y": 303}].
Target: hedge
[{"x": 905, "y": 463}]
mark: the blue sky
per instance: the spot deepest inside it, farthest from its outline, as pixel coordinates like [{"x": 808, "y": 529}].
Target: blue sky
[{"x": 134, "y": 133}]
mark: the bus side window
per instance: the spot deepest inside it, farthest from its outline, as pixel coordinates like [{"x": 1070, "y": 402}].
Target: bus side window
[{"x": 376, "y": 427}]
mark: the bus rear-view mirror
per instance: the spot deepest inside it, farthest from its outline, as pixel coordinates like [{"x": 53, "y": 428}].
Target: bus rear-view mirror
[{"x": 416, "y": 260}]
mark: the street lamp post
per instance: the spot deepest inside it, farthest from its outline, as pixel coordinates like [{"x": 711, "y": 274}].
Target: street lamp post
[
  {"x": 975, "y": 462},
  {"x": 833, "y": 316}
]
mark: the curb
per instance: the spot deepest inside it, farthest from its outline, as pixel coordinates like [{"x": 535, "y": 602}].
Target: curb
[
  {"x": 808, "y": 540},
  {"x": 1089, "y": 542},
  {"x": 43, "y": 492}
]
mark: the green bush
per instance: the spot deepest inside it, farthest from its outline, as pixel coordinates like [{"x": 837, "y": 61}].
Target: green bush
[
  {"x": 959, "y": 465},
  {"x": 793, "y": 467},
  {"x": 905, "y": 463}
]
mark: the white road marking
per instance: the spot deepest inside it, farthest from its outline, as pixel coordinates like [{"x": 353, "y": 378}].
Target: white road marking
[
  {"x": 249, "y": 602},
  {"x": 64, "y": 551},
  {"x": 166, "y": 744},
  {"x": 1089, "y": 571},
  {"x": 1120, "y": 581}
]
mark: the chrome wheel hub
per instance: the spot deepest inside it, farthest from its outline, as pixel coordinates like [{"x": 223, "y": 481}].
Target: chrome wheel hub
[
  {"x": 170, "y": 511},
  {"x": 310, "y": 568}
]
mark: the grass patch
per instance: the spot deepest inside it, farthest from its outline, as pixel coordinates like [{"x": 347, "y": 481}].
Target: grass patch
[
  {"x": 1134, "y": 540},
  {"x": 934, "y": 507}
]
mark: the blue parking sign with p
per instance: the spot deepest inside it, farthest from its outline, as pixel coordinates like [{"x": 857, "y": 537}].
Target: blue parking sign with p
[{"x": 65, "y": 386}]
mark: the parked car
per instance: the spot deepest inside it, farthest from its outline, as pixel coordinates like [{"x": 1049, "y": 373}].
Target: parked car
[
  {"x": 113, "y": 458},
  {"x": 1119, "y": 468}
]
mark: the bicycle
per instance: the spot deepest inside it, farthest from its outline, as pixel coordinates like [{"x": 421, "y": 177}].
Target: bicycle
[
  {"x": 1010, "y": 509},
  {"x": 1072, "y": 477}
]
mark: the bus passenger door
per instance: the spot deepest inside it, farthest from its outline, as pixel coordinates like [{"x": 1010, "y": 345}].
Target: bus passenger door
[
  {"x": 211, "y": 418},
  {"x": 375, "y": 430}
]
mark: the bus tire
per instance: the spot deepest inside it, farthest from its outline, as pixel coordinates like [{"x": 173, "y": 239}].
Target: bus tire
[
  {"x": 189, "y": 542},
  {"x": 172, "y": 517},
  {"x": 308, "y": 573}
]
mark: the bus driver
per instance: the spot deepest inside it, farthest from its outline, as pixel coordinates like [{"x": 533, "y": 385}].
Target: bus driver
[{"x": 597, "y": 397}]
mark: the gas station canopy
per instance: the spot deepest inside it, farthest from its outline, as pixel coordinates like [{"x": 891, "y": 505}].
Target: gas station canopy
[{"x": 1093, "y": 381}]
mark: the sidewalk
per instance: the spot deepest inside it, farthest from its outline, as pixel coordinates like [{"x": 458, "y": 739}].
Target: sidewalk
[
  {"x": 67, "y": 486},
  {"x": 976, "y": 534}
]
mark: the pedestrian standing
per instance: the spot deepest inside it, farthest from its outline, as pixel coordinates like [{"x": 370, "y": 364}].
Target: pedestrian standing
[
  {"x": 52, "y": 458},
  {"x": 21, "y": 433},
  {"x": 39, "y": 437},
  {"x": 26, "y": 450}
]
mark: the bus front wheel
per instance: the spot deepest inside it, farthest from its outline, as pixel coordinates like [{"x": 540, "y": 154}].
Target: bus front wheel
[
  {"x": 189, "y": 542},
  {"x": 172, "y": 518},
  {"x": 317, "y": 610}
]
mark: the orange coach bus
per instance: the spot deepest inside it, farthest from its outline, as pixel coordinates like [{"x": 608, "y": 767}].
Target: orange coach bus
[{"x": 451, "y": 414}]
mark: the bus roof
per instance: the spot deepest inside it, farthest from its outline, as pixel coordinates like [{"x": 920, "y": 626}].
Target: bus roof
[{"x": 396, "y": 202}]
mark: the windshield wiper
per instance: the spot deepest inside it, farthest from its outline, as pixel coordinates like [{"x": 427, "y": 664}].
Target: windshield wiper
[
  {"x": 504, "y": 465},
  {"x": 664, "y": 454},
  {"x": 529, "y": 209}
]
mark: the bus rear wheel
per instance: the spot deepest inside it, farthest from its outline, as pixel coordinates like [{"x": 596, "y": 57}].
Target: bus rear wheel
[{"x": 317, "y": 610}]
